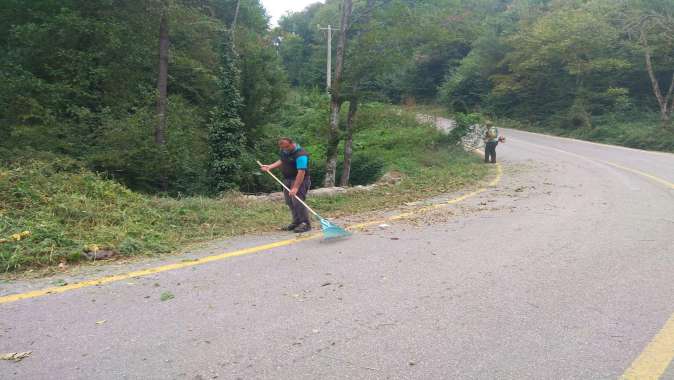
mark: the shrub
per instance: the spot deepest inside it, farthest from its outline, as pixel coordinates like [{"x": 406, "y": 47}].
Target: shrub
[{"x": 366, "y": 168}]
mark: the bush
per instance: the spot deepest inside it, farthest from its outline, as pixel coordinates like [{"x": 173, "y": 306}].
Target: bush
[
  {"x": 577, "y": 117},
  {"x": 641, "y": 130},
  {"x": 317, "y": 172},
  {"x": 366, "y": 168},
  {"x": 125, "y": 150}
]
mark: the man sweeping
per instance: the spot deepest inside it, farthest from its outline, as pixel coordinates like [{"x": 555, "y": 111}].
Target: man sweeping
[
  {"x": 491, "y": 140},
  {"x": 294, "y": 164}
]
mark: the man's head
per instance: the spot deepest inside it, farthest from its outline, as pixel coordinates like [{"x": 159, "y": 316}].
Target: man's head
[{"x": 286, "y": 144}]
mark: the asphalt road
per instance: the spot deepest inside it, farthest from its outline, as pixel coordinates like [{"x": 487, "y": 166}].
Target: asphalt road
[{"x": 562, "y": 270}]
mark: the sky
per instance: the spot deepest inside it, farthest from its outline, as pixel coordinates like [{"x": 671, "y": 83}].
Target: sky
[{"x": 277, "y": 8}]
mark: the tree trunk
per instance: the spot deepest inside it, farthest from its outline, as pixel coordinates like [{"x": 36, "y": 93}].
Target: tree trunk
[
  {"x": 333, "y": 144},
  {"x": 353, "y": 109},
  {"x": 667, "y": 117},
  {"x": 162, "y": 85},
  {"x": 348, "y": 144},
  {"x": 663, "y": 101},
  {"x": 336, "y": 102}
]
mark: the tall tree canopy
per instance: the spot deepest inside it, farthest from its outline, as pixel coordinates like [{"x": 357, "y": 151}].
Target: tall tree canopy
[{"x": 80, "y": 79}]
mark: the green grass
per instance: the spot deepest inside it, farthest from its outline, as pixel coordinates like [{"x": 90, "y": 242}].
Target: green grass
[
  {"x": 431, "y": 109},
  {"x": 66, "y": 209}
]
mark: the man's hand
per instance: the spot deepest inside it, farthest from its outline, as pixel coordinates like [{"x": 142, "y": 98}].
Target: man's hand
[
  {"x": 268, "y": 168},
  {"x": 293, "y": 192}
]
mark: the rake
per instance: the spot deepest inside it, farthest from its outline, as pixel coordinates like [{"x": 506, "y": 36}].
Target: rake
[{"x": 330, "y": 231}]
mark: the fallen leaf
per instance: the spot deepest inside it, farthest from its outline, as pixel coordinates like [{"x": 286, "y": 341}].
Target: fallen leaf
[
  {"x": 101, "y": 322},
  {"x": 15, "y": 356},
  {"x": 167, "y": 296}
]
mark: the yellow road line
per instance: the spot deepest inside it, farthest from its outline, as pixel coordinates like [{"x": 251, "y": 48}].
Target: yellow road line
[
  {"x": 654, "y": 360},
  {"x": 657, "y": 356},
  {"x": 635, "y": 171},
  {"x": 147, "y": 272},
  {"x": 223, "y": 256},
  {"x": 639, "y": 172}
]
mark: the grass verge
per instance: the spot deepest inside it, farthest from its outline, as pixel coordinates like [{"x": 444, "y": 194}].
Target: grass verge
[{"x": 52, "y": 212}]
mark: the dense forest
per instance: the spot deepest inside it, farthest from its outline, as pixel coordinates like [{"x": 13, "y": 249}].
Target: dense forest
[
  {"x": 181, "y": 96},
  {"x": 594, "y": 69}
]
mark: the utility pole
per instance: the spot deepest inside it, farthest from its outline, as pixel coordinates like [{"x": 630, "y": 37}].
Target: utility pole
[{"x": 328, "y": 82}]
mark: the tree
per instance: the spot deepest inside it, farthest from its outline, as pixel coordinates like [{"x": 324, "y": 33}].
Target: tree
[
  {"x": 301, "y": 50},
  {"x": 559, "y": 62},
  {"x": 353, "y": 103},
  {"x": 263, "y": 85},
  {"x": 377, "y": 42},
  {"x": 88, "y": 78},
  {"x": 226, "y": 134},
  {"x": 348, "y": 141},
  {"x": 335, "y": 99},
  {"x": 653, "y": 29},
  {"x": 162, "y": 86}
]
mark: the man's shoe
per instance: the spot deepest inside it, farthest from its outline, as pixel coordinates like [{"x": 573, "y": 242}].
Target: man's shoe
[
  {"x": 289, "y": 227},
  {"x": 303, "y": 227}
]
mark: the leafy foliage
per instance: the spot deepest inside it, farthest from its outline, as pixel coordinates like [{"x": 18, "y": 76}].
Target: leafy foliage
[
  {"x": 226, "y": 135},
  {"x": 79, "y": 80}
]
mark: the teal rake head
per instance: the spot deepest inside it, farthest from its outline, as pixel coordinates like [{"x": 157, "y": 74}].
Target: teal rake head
[{"x": 332, "y": 232}]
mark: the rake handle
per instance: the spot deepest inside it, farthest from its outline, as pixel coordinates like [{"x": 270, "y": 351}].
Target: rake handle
[{"x": 286, "y": 187}]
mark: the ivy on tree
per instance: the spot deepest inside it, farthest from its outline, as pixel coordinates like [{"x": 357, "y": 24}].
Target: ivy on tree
[{"x": 226, "y": 135}]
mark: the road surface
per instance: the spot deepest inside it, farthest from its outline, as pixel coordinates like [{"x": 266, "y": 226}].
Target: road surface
[{"x": 563, "y": 269}]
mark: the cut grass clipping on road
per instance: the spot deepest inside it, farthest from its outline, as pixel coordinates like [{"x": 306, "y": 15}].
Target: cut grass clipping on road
[{"x": 51, "y": 214}]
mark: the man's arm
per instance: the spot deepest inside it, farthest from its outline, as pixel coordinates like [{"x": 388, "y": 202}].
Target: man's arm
[
  {"x": 266, "y": 168},
  {"x": 298, "y": 182}
]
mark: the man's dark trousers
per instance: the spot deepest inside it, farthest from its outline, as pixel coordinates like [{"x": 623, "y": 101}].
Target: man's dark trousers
[
  {"x": 490, "y": 151},
  {"x": 300, "y": 213}
]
